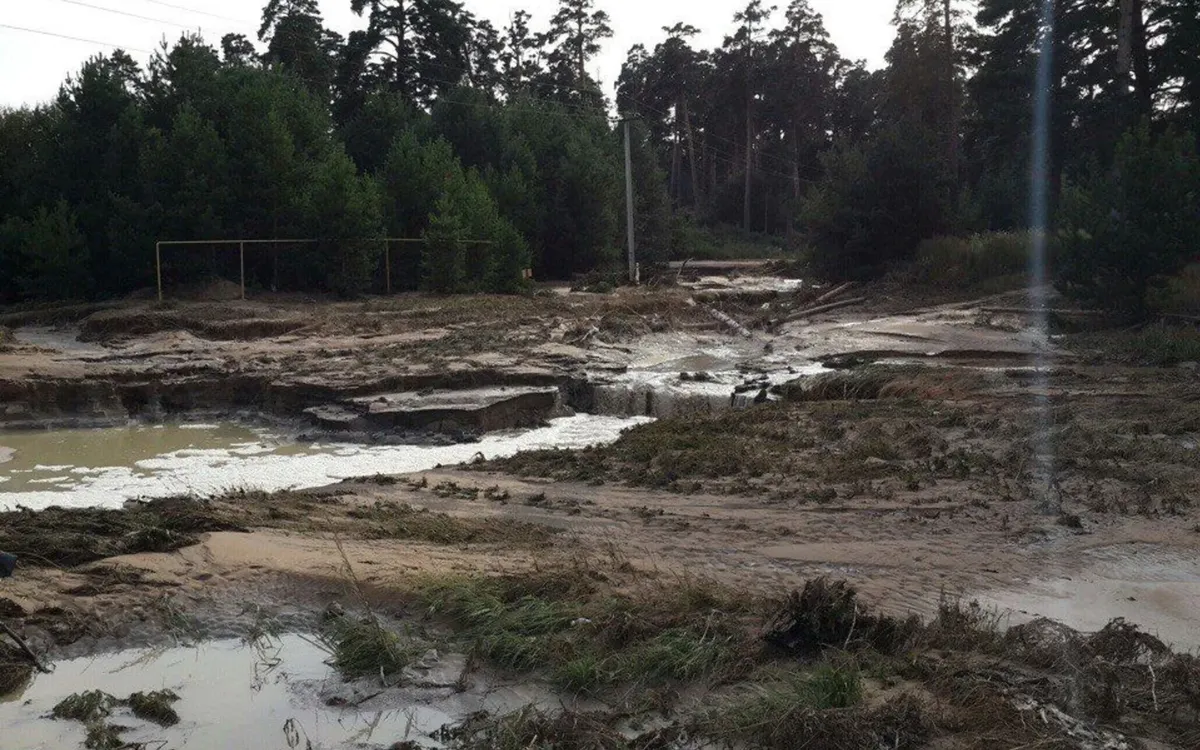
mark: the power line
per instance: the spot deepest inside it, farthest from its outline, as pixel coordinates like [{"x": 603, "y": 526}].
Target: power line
[
  {"x": 74, "y": 38},
  {"x": 130, "y": 15},
  {"x": 198, "y": 12}
]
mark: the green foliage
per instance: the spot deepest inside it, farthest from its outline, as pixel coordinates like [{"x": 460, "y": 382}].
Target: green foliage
[
  {"x": 443, "y": 259},
  {"x": 1178, "y": 294},
  {"x": 45, "y": 257},
  {"x": 1123, "y": 230},
  {"x": 876, "y": 203},
  {"x": 506, "y": 133},
  {"x": 343, "y": 206},
  {"x": 992, "y": 260},
  {"x": 363, "y": 648},
  {"x": 721, "y": 242}
]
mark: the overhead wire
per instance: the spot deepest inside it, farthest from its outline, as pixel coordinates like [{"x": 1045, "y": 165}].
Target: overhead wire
[
  {"x": 74, "y": 38},
  {"x": 198, "y": 12},
  {"x": 82, "y": 4}
]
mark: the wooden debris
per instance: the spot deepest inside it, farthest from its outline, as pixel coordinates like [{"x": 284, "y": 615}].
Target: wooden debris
[
  {"x": 25, "y": 648},
  {"x": 809, "y": 312},
  {"x": 727, "y": 320},
  {"x": 833, "y": 294}
]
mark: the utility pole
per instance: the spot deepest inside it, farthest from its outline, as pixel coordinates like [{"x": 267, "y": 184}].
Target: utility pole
[{"x": 633, "y": 274}]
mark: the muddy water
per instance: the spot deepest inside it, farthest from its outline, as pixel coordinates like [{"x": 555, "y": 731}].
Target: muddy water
[
  {"x": 236, "y": 696},
  {"x": 105, "y": 467},
  {"x": 1156, "y": 589}
]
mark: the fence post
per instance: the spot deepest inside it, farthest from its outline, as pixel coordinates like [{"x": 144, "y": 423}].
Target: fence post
[
  {"x": 158, "y": 267},
  {"x": 242, "y": 263},
  {"x": 387, "y": 265}
]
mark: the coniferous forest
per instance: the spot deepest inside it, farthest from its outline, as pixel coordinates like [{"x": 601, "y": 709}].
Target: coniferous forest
[{"x": 432, "y": 123}]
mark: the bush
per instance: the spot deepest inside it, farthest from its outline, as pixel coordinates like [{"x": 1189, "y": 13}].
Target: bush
[
  {"x": 1179, "y": 294},
  {"x": 993, "y": 258},
  {"x": 49, "y": 255},
  {"x": 721, "y": 242},
  {"x": 1126, "y": 230}
]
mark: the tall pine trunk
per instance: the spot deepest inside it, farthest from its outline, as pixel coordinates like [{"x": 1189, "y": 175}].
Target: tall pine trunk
[
  {"x": 691, "y": 145},
  {"x": 749, "y": 161},
  {"x": 953, "y": 121}
]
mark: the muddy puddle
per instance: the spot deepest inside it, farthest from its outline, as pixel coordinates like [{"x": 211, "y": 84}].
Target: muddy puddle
[
  {"x": 233, "y": 695},
  {"x": 1156, "y": 589},
  {"x": 105, "y": 467}
]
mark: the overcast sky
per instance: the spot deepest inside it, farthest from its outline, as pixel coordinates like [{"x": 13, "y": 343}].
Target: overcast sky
[{"x": 32, "y": 66}]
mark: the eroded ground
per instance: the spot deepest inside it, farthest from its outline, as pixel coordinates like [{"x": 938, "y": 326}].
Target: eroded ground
[{"x": 912, "y": 478}]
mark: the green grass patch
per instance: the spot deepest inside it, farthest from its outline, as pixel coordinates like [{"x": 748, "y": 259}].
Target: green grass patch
[
  {"x": 1159, "y": 345},
  {"x": 363, "y": 647},
  {"x": 585, "y": 642},
  {"x": 725, "y": 242}
]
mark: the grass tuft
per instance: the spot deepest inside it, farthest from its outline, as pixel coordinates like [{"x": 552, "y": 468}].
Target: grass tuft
[
  {"x": 88, "y": 706},
  {"x": 155, "y": 706},
  {"x": 363, "y": 647}
]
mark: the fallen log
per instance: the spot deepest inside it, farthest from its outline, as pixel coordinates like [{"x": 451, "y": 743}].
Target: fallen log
[
  {"x": 727, "y": 320},
  {"x": 1028, "y": 311},
  {"x": 833, "y": 294},
  {"x": 809, "y": 312}
]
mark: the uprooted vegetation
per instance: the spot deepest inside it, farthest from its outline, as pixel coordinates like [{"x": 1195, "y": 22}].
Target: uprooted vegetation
[
  {"x": 686, "y": 663},
  {"x": 74, "y": 536},
  {"x": 71, "y": 537},
  {"x": 94, "y": 708}
]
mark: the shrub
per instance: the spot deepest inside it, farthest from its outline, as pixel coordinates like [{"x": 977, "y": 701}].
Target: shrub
[
  {"x": 1178, "y": 294},
  {"x": 49, "y": 254},
  {"x": 992, "y": 258}
]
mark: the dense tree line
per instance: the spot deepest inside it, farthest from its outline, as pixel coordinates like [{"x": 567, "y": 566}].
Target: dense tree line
[
  {"x": 430, "y": 122},
  {"x": 498, "y": 150},
  {"x": 776, "y": 130}
]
